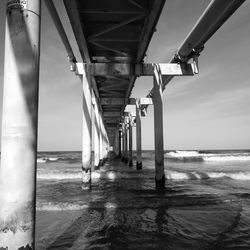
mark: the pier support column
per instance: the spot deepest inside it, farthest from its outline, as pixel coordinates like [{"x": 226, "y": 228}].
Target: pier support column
[
  {"x": 19, "y": 125},
  {"x": 119, "y": 143},
  {"x": 123, "y": 142},
  {"x": 100, "y": 140},
  {"x": 130, "y": 155},
  {"x": 126, "y": 143},
  {"x": 87, "y": 130},
  {"x": 138, "y": 137},
  {"x": 158, "y": 127},
  {"x": 96, "y": 138}
]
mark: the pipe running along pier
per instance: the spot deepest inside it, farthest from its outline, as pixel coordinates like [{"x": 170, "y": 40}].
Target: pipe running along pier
[{"x": 113, "y": 37}]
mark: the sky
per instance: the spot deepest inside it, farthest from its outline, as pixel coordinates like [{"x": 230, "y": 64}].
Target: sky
[{"x": 208, "y": 111}]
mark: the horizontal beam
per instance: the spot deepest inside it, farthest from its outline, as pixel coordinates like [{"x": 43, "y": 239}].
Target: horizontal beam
[
  {"x": 111, "y": 120},
  {"x": 146, "y": 69},
  {"x": 112, "y": 113},
  {"x": 113, "y": 12},
  {"x": 145, "y": 101},
  {"x": 112, "y": 101},
  {"x": 141, "y": 101}
]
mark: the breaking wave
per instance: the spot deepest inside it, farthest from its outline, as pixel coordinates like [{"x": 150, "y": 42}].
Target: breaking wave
[
  {"x": 47, "y": 159},
  {"x": 60, "y": 206},
  {"x": 174, "y": 175},
  {"x": 182, "y": 155},
  {"x": 59, "y": 176}
]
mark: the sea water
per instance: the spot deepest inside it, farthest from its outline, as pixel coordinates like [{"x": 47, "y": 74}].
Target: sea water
[{"x": 206, "y": 204}]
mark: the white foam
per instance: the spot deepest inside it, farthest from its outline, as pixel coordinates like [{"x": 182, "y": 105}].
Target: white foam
[
  {"x": 59, "y": 176},
  {"x": 95, "y": 175},
  {"x": 110, "y": 205},
  {"x": 53, "y": 158},
  {"x": 111, "y": 176},
  {"x": 227, "y": 158},
  {"x": 173, "y": 175},
  {"x": 234, "y": 176},
  {"x": 183, "y": 153},
  {"x": 197, "y": 175},
  {"x": 41, "y": 160},
  {"x": 50, "y": 206}
]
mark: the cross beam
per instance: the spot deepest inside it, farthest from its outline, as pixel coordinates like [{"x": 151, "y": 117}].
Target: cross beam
[{"x": 140, "y": 69}]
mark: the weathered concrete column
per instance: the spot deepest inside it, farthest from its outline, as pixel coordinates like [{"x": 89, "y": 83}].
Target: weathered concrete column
[
  {"x": 116, "y": 144},
  {"x": 123, "y": 141},
  {"x": 158, "y": 127},
  {"x": 126, "y": 143},
  {"x": 100, "y": 140},
  {"x": 87, "y": 129},
  {"x": 19, "y": 125},
  {"x": 138, "y": 137},
  {"x": 130, "y": 153},
  {"x": 119, "y": 143},
  {"x": 96, "y": 137}
]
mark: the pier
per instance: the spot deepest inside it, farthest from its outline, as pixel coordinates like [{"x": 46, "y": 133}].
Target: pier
[{"x": 112, "y": 37}]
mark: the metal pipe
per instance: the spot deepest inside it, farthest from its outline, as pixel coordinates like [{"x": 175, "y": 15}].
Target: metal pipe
[
  {"x": 56, "y": 19},
  {"x": 215, "y": 15},
  {"x": 19, "y": 125}
]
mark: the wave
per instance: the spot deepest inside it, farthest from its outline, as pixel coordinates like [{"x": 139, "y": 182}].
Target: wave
[
  {"x": 227, "y": 158},
  {"x": 174, "y": 175},
  {"x": 182, "y": 155},
  {"x": 65, "y": 206},
  {"x": 47, "y": 159},
  {"x": 59, "y": 176}
]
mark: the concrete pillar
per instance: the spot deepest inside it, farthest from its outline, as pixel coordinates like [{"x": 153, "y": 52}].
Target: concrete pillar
[
  {"x": 19, "y": 125},
  {"x": 126, "y": 143},
  {"x": 100, "y": 140},
  {"x": 96, "y": 137},
  {"x": 158, "y": 129},
  {"x": 130, "y": 153},
  {"x": 87, "y": 130},
  {"x": 123, "y": 141},
  {"x": 138, "y": 137},
  {"x": 119, "y": 143},
  {"x": 116, "y": 144}
]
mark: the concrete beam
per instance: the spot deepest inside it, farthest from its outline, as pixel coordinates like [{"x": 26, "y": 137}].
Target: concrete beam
[
  {"x": 146, "y": 69},
  {"x": 112, "y": 113},
  {"x": 112, "y": 101}
]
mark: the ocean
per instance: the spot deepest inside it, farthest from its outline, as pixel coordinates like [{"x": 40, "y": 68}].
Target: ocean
[{"x": 206, "y": 204}]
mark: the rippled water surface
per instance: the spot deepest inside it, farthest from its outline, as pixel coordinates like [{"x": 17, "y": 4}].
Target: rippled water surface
[{"x": 206, "y": 204}]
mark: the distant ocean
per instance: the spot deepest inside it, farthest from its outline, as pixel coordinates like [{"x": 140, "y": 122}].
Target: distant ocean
[{"x": 206, "y": 204}]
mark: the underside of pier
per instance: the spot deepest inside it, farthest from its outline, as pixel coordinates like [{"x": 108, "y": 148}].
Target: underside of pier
[{"x": 113, "y": 31}]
